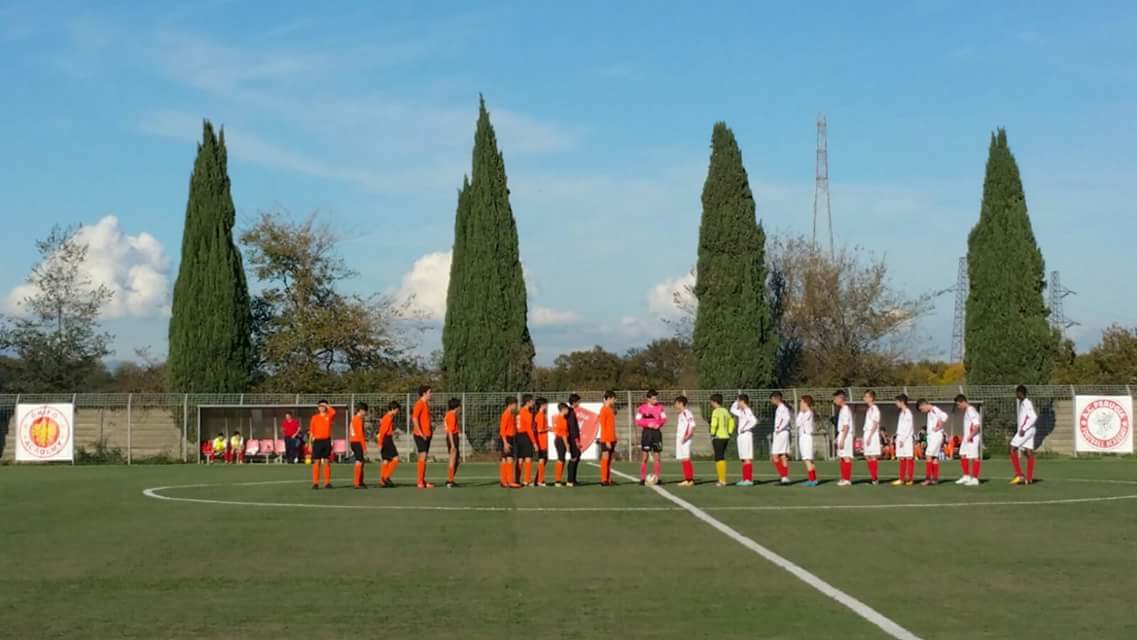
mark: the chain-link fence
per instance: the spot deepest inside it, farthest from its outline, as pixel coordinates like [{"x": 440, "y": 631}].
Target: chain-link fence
[{"x": 172, "y": 427}]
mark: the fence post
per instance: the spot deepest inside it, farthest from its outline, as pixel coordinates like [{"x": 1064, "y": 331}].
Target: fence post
[
  {"x": 1074, "y": 421},
  {"x": 347, "y": 423},
  {"x": 409, "y": 410},
  {"x": 185, "y": 425},
  {"x": 129, "y": 429},
  {"x": 630, "y": 421},
  {"x": 463, "y": 432},
  {"x": 198, "y": 453}
]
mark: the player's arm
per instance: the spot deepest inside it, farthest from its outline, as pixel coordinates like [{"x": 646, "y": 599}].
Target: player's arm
[{"x": 1029, "y": 419}]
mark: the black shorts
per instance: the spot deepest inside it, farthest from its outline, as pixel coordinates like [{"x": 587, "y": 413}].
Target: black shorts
[
  {"x": 453, "y": 442},
  {"x": 574, "y": 450},
  {"x": 422, "y": 445},
  {"x": 524, "y": 447},
  {"x": 357, "y": 451},
  {"x": 562, "y": 448},
  {"x": 540, "y": 454},
  {"x": 651, "y": 440},
  {"x": 512, "y": 442},
  {"x": 608, "y": 447},
  {"x": 719, "y": 445},
  {"x": 387, "y": 450},
  {"x": 322, "y": 449}
]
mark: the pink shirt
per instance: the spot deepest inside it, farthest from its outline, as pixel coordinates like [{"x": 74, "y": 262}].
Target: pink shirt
[{"x": 651, "y": 416}]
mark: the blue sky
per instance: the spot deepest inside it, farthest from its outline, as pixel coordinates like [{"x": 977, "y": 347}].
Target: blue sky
[{"x": 364, "y": 112}]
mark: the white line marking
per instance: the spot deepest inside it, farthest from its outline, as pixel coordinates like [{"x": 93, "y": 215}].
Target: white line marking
[{"x": 856, "y": 606}]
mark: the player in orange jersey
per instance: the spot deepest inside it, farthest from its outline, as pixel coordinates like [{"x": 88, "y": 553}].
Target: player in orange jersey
[
  {"x": 420, "y": 419},
  {"x": 523, "y": 445},
  {"x": 507, "y": 432},
  {"x": 320, "y": 434},
  {"x": 358, "y": 441},
  {"x": 607, "y": 420},
  {"x": 453, "y": 439},
  {"x": 561, "y": 441},
  {"x": 541, "y": 439},
  {"x": 386, "y": 439}
]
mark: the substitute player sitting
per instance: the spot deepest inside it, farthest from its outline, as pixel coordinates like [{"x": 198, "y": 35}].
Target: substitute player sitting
[
  {"x": 650, "y": 418},
  {"x": 1023, "y": 441},
  {"x": 936, "y": 420}
]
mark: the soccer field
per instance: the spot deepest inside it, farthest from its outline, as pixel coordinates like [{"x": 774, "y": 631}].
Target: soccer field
[{"x": 252, "y": 551}]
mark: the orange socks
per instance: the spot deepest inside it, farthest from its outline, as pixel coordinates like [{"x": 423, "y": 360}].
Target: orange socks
[
  {"x": 315, "y": 473},
  {"x": 391, "y": 467},
  {"x": 540, "y": 472},
  {"x": 422, "y": 471},
  {"x": 327, "y": 472},
  {"x": 450, "y": 474},
  {"x": 528, "y": 471},
  {"x": 560, "y": 470},
  {"x": 382, "y": 472},
  {"x": 357, "y": 478},
  {"x": 605, "y": 464}
]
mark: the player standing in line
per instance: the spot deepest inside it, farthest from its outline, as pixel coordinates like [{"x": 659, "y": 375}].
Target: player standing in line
[
  {"x": 650, "y": 417},
  {"x": 561, "y": 440},
  {"x": 422, "y": 433},
  {"x": 1024, "y": 438},
  {"x": 320, "y": 432},
  {"x": 386, "y": 440},
  {"x": 541, "y": 435},
  {"x": 804, "y": 422},
  {"x": 845, "y": 437},
  {"x": 525, "y": 441},
  {"x": 722, "y": 426},
  {"x": 357, "y": 439},
  {"x": 607, "y": 420},
  {"x": 507, "y": 431},
  {"x": 684, "y": 437},
  {"x": 969, "y": 451},
  {"x": 746, "y": 422},
  {"x": 453, "y": 439},
  {"x": 574, "y": 442},
  {"x": 937, "y": 417},
  {"x": 780, "y": 447},
  {"x": 905, "y": 443},
  {"x": 871, "y": 440}
]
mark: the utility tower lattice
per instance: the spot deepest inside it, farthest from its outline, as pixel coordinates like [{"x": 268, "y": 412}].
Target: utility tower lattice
[
  {"x": 821, "y": 190},
  {"x": 962, "y": 287},
  {"x": 1056, "y": 291}
]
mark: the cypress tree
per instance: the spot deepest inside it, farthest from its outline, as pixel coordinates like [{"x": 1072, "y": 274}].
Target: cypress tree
[
  {"x": 210, "y": 342},
  {"x": 485, "y": 339},
  {"x": 734, "y": 339},
  {"x": 1008, "y": 337}
]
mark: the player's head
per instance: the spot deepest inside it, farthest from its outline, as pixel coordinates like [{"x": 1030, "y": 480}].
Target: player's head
[
  {"x": 805, "y": 403},
  {"x": 511, "y": 402},
  {"x": 539, "y": 403},
  {"x": 923, "y": 405},
  {"x": 652, "y": 396},
  {"x": 902, "y": 401},
  {"x": 716, "y": 400},
  {"x": 220, "y": 435},
  {"x": 287, "y": 415},
  {"x": 360, "y": 408},
  {"x": 961, "y": 401},
  {"x": 454, "y": 403},
  {"x": 775, "y": 398},
  {"x": 680, "y": 402},
  {"x": 563, "y": 409},
  {"x": 609, "y": 397},
  {"x": 573, "y": 399},
  {"x": 322, "y": 406},
  {"x": 527, "y": 400},
  {"x": 840, "y": 398},
  {"x": 393, "y": 407},
  {"x": 425, "y": 392},
  {"x": 1020, "y": 392},
  {"x": 870, "y": 396}
]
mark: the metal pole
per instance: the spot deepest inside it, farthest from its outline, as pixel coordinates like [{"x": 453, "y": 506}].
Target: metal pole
[
  {"x": 630, "y": 412},
  {"x": 73, "y": 405},
  {"x": 198, "y": 434},
  {"x": 1074, "y": 417},
  {"x": 463, "y": 432},
  {"x": 280, "y": 455},
  {"x": 129, "y": 429},
  {"x": 347, "y": 425},
  {"x": 185, "y": 425}
]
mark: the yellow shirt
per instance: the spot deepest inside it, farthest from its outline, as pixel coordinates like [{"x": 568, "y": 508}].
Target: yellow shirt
[{"x": 219, "y": 444}]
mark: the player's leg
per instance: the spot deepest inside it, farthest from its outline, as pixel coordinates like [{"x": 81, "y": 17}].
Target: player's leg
[
  {"x": 719, "y": 445},
  {"x": 1016, "y": 442},
  {"x": 644, "y": 456},
  {"x": 657, "y": 464},
  {"x": 315, "y": 474}
]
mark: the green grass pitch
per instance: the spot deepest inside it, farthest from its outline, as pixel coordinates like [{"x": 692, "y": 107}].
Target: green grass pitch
[{"x": 86, "y": 554}]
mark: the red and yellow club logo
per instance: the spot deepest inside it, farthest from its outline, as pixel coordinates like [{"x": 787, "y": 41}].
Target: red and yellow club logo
[
  {"x": 44, "y": 432},
  {"x": 1104, "y": 424}
]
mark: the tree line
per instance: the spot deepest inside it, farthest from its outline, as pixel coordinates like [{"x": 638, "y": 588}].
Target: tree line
[{"x": 763, "y": 311}]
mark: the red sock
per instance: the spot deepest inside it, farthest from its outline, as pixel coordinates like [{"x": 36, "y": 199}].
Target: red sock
[
  {"x": 975, "y": 467},
  {"x": 963, "y": 465},
  {"x": 748, "y": 471},
  {"x": 656, "y": 468},
  {"x": 1016, "y": 464},
  {"x": 873, "y": 469},
  {"x": 936, "y": 470},
  {"x": 1030, "y": 468},
  {"x": 813, "y": 475},
  {"x": 688, "y": 470},
  {"x": 927, "y": 469},
  {"x": 783, "y": 469},
  {"x": 902, "y": 470},
  {"x": 911, "y": 469},
  {"x": 846, "y": 469},
  {"x": 643, "y": 469}
]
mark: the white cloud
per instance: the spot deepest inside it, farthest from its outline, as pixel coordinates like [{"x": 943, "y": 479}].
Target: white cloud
[
  {"x": 661, "y": 299},
  {"x": 548, "y": 317},
  {"x": 135, "y": 268},
  {"x": 424, "y": 287}
]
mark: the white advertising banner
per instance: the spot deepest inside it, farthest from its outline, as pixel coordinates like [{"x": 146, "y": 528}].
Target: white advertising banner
[
  {"x": 45, "y": 432},
  {"x": 587, "y": 414},
  {"x": 1103, "y": 424}
]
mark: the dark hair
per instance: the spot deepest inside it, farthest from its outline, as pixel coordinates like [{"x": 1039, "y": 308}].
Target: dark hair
[
  {"x": 454, "y": 403},
  {"x": 562, "y": 406},
  {"x": 921, "y": 402},
  {"x": 777, "y": 395},
  {"x": 1021, "y": 389},
  {"x": 287, "y": 413},
  {"x": 651, "y": 393},
  {"x": 394, "y": 406},
  {"x": 902, "y": 398},
  {"x": 361, "y": 406},
  {"x": 961, "y": 398},
  {"x": 526, "y": 397},
  {"x": 423, "y": 389},
  {"x": 681, "y": 400},
  {"x": 716, "y": 398},
  {"x": 870, "y": 393},
  {"x": 840, "y": 393},
  {"x": 322, "y": 401},
  {"x": 608, "y": 395},
  {"x": 573, "y": 398},
  {"x": 540, "y": 403},
  {"x": 808, "y": 400},
  {"x": 745, "y": 398},
  {"x": 510, "y": 401}
]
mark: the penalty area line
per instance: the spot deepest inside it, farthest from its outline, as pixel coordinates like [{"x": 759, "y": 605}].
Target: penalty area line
[{"x": 856, "y": 606}]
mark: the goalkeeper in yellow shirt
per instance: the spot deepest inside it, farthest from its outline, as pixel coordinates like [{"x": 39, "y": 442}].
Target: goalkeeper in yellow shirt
[{"x": 722, "y": 426}]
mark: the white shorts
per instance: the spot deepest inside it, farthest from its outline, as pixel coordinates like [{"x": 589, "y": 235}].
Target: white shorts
[
  {"x": 904, "y": 448},
  {"x": 683, "y": 450},
  {"x": 847, "y": 450},
  {"x": 746, "y": 446},
  {"x": 935, "y": 445},
  {"x": 781, "y": 444},
  {"x": 872, "y": 446},
  {"x": 805, "y": 447},
  {"x": 970, "y": 450},
  {"x": 1025, "y": 441}
]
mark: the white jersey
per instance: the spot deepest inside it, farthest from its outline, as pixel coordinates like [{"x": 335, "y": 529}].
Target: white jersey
[
  {"x": 1026, "y": 415},
  {"x": 971, "y": 419},
  {"x": 872, "y": 421},
  {"x": 684, "y": 435},
  {"x": 845, "y": 424},
  {"x": 804, "y": 423},
  {"x": 782, "y": 419},
  {"x": 937, "y": 418},
  {"x": 746, "y": 419},
  {"x": 904, "y": 425}
]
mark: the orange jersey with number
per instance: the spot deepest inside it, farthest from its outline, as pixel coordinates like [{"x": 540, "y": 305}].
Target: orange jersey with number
[
  {"x": 607, "y": 421},
  {"x": 541, "y": 422},
  {"x": 560, "y": 426},
  {"x": 507, "y": 427},
  {"x": 386, "y": 428},
  {"x": 451, "y": 421},
  {"x": 525, "y": 422},
  {"x": 320, "y": 426},
  {"x": 421, "y": 418},
  {"x": 356, "y": 434}
]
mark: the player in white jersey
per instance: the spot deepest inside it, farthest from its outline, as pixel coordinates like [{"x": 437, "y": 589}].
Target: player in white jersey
[
  {"x": 1024, "y": 437},
  {"x": 684, "y": 437},
  {"x": 845, "y": 437},
  {"x": 937, "y": 418},
  {"x": 746, "y": 424},
  {"x": 871, "y": 437},
  {"x": 780, "y": 447},
  {"x": 804, "y": 423},
  {"x": 970, "y": 450},
  {"x": 904, "y": 442}
]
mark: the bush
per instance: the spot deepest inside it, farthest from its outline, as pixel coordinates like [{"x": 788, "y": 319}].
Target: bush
[{"x": 103, "y": 453}]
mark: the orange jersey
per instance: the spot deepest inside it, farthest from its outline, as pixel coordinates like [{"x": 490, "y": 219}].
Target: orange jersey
[
  {"x": 607, "y": 424},
  {"x": 451, "y": 421},
  {"x": 560, "y": 426},
  {"x": 541, "y": 422},
  {"x": 357, "y": 429},
  {"x": 320, "y": 426},
  {"x": 386, "y": 427},
  {"x": 421, "y": 418},
  {"x": 507, "y": 427},
  {"x": 525, "y": 421}
]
